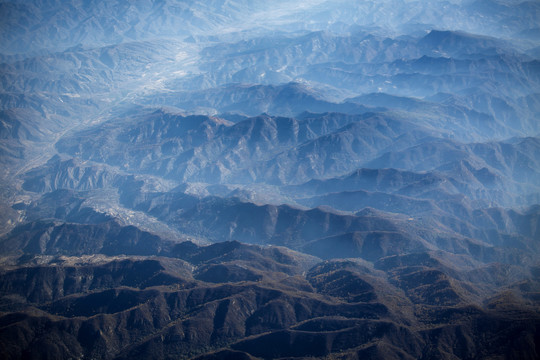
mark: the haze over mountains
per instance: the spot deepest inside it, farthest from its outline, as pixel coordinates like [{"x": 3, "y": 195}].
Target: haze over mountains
[{"x": 249, "y": 179}]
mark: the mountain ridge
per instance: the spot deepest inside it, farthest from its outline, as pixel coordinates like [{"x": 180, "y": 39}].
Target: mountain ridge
[{"x": 237, "y": 179}]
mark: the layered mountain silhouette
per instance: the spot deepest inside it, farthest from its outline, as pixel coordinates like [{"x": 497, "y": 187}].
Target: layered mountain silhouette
[{"x": 285, "y": 180}]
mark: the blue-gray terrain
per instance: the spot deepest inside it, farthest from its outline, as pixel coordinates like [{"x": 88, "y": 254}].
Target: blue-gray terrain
[{"x": 233, "y": 179}]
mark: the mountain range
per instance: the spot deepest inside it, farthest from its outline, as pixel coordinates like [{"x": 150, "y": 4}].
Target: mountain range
[{"x": 287, "y": 180}]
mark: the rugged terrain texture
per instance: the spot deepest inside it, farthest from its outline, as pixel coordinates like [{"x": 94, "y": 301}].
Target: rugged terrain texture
[{"x": 259, "y": 180}]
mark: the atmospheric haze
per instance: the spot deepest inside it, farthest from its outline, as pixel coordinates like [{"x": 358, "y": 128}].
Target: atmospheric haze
[{"x": 233, "y": 179}]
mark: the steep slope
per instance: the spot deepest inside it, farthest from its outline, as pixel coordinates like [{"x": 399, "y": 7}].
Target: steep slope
[
  {"x": 248, "y": 298},
  {"x": 245, "y": 179},
  {"x": 264, "y": 148}
]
